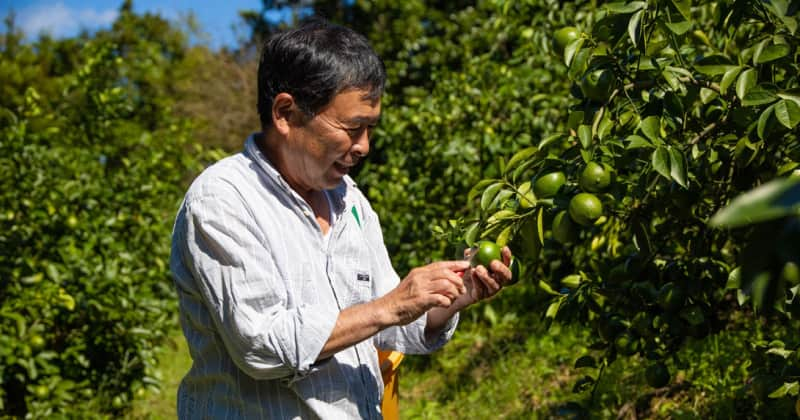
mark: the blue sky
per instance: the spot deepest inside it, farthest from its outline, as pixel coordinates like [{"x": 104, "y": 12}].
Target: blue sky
[{"x": 64, "y": 18}]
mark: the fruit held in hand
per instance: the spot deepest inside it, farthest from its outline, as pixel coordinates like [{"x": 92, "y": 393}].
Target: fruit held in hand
[{"x": 485, "y": 252}]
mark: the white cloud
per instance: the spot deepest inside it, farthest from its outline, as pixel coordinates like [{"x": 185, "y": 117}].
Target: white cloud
[{"x": 59, "y": 20}]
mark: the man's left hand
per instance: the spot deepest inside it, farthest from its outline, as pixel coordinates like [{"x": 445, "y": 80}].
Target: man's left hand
[{"x": 484, "y": 282}]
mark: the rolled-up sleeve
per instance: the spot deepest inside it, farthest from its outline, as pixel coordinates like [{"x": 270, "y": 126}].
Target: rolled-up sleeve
[{"x": 229, "y": 267}]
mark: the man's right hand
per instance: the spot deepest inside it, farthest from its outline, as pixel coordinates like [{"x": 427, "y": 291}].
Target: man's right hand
[{"x": 434, "y": 285}]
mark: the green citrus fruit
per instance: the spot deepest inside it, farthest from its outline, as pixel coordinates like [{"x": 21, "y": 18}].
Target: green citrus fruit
[
  {"x": 597, "y": 85},
  {"x": 526, "y": 197},
  {"x": 485, "y": 252},
  {"x": 791, "y": 273},
  {"x": 626, "y": 344},
  {"x": 36, "y": 342},
  {"x": 585, "y": 208},
  {"x": 548, "y": 185},
  {"x": 563, "y": 37},
  {"x": 609, "y": 326},
  {"x": 657, "y": 375},
  {"x": 670, "y": 297},
  {"x": 563, "y": 229},
  {"x": 41, "y": 391},
  {"x": 594, "y": 178}
]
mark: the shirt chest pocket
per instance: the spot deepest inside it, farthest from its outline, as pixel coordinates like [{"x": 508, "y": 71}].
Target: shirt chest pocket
[{"x": 354, "y": 274}]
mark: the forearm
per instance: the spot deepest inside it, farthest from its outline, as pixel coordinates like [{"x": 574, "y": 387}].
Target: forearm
[
  {"x": 356, "y": 324},
  {"x": 438, "y": 317}
]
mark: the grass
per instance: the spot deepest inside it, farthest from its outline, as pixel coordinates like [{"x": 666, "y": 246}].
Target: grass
[
  {"x": 174, "y": 362},
  {"x": 515, "y": 368}
]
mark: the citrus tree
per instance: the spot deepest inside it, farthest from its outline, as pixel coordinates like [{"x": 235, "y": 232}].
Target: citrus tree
[
  {"x": 676, "y": 107},
  {"x": 92, "y": 166}
]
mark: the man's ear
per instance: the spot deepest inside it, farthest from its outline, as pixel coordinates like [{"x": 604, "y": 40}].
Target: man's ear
[{"x": 284, "y": 112}]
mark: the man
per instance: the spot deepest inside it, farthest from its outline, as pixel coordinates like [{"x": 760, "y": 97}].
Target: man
[{"x": 285, "y": 286}]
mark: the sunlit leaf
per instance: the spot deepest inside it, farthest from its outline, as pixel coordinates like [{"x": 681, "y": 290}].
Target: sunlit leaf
[
  {"x": 747, "y": 79},
  {"x": 520, "y": 156},
  {"x": 625, "y": 8},
  {"x": 759, "y": 96},
  {"x": 585, "y": 135},
  {"x": 679, "y": 28},
  {"x": 677, "y": 167},
  {"x": 660, "y": 160},
  {"x": 633, "y": 26},
  {"x": 728, "y": 78},
  {"x": 788, "y": 113},
  {"x": 651, "y": 127},
  {"x": 772, "y": 53},
  {"x": 777, "y": 198},
  {"x": 684, "y": 8},
  {"x": 489, "y": 194}
]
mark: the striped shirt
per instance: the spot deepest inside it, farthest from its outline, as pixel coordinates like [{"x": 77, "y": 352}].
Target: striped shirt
[{"x": 260, "y": 289}]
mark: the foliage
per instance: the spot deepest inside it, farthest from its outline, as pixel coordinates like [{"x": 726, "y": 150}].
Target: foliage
[
  {"x": 703, "y": 105},
  {"x": 93, "y": 164}
]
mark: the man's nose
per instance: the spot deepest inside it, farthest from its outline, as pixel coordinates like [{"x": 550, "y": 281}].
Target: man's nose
[{"x": 361, "y": 144}]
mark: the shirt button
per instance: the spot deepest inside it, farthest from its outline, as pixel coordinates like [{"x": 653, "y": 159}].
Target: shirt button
[{"x": 307, "y": 213}]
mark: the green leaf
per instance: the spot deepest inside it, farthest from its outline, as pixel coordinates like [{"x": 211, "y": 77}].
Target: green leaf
[
  {"x": 478, "y": 188},
  {"x": 540, "y": 225},
  {"x": 788, "y": 113},
  {"x": 520, "y": 156},
  {"x": 677, "y": 167},
  {"x": 625, "y": 8},
  {"x": 714, "y": 69},
  {"x": 791, "y": 94},
  {"x": 746, "y": 80},
  {"x": 500, "y": 215},
  {"x": 552, "y": 309},
  {"x": 790, "y": 388},
  {"x": 489, "y": 194},
  {"x": 651, "y": 127},
  {"x": 585, "y": 135},
  {"x": 759, "y": 96},
  {"x": 728, "y": 78},
  {"x": 585, "y": 361},
  {"x": 771, "y": 53},
  {"x": 547, "y": 289},
  {"x": 551, "y": 139},
  {"x": 571, "y": 49},
  {"x": 635, "y": 141},
  {"x": 661, "y": 161},
  {"x": 684, "y": 8},
  {"x": 679, "y": 28},
  {"x": 777, "y": 198},
  {"x": 502, "y": 238},
  {"x": 471, "y": 234},
  {"x": 763, "y": 120},
  {"x": 633, "y": 26}
]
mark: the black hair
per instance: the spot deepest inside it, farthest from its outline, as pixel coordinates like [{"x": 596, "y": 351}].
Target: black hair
[{"x": 314, "y": 62}]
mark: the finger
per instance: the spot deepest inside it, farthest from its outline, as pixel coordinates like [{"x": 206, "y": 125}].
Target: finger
[
  {"x": 492, "y": 286},
  {"x": 456, "y": 278},
  {"x": 501, "y": 272},
  {"x": 449, "y": 287},
  {"x": 458, "y": 265},
  {"x": 506, "y": 254}
]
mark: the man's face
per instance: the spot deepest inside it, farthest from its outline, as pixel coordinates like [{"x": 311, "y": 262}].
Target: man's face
[{"x": 323, "y": 149}]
